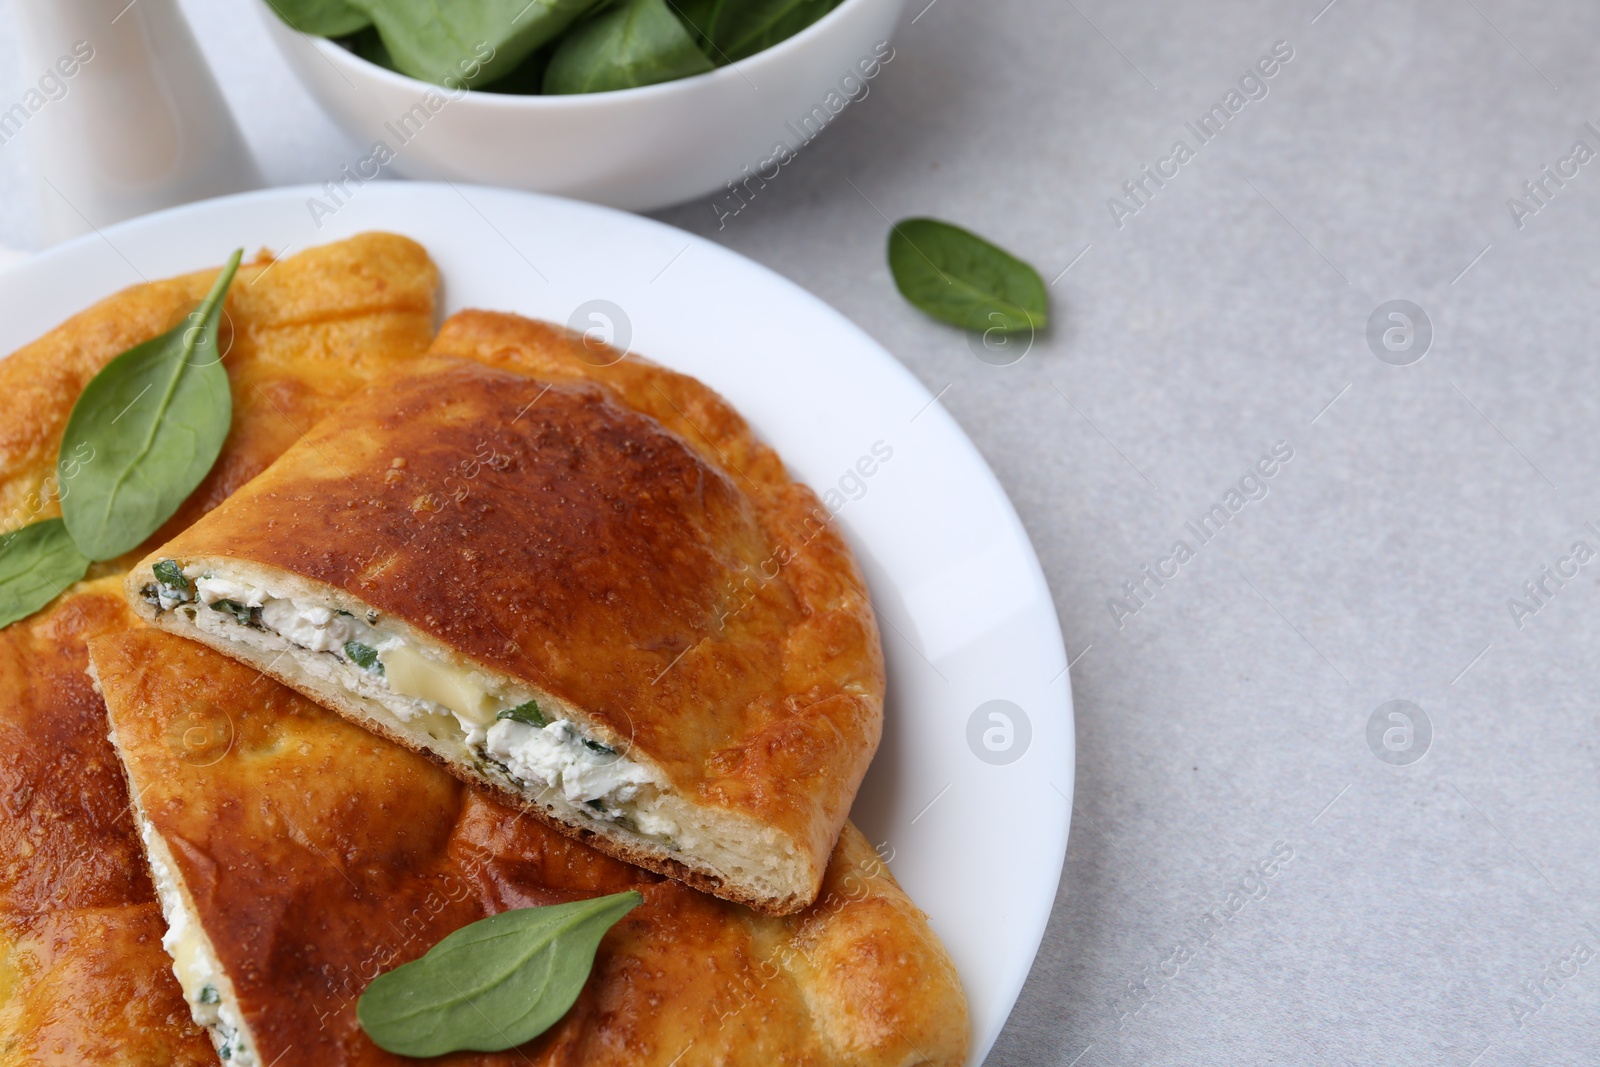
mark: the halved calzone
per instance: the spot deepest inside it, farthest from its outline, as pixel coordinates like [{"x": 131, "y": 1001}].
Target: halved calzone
[{"x": 629, "y": 620}]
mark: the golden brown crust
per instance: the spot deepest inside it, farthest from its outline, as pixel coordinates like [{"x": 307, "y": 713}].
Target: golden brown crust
[
  {"x": 300, "y": 335},
  {"x": 615, "y": 536},
  {"x": 83, "y": 979},
  {"x": 318, "y": 855},
  {"x": 91, "y": 987},
  {"x": 66, "y": 840},
  {"x": 820, "y": 723}
]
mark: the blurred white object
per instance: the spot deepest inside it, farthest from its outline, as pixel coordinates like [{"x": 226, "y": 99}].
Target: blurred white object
[
  {"x": 124, "y": 115},
  {"x": 638, "y": 149}
]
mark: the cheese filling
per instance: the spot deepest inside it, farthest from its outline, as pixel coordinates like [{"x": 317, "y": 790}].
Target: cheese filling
[
  {"x": 197, "y": 970},
  {"x": 592, "y": 777}
]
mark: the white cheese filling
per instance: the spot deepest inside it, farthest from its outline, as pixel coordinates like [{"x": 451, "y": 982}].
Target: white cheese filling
[
  {"x": 559, "y": 756},
  {"x": 591, "y": 777},
  {"x": 197, "y": 970}
]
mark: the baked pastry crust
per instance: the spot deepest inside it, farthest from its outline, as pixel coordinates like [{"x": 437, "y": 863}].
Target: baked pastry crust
[
  {"x": 316, "y": 855},
  {"x": 299, "y": 335},
  {"x": 83, "y": 977},
  {"x": 94, "y": 989},
  {"x": 610, "y": 536}
]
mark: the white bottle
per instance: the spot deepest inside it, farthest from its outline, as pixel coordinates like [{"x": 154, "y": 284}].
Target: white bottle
[{"x": 122, "y": 111}]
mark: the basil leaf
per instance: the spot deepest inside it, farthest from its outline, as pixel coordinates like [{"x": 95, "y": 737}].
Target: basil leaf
[
  {"x": 369, "y": 46},
  {"x": 463, "y": 44},
  {"x": 631, "y": 43},
  {"x": 698, "y": 16},
  {"x": 37, "y": 563},
  {"x": 323, "y": 18},
  {"x": 527, "y": 713},
  {"x": 961, "y": 278},
  {"x": 527, "y": 79},
  {"x": 362, "y": 656},
  {"x": 740, "y": 28},
  {"x": 174, "y": 584},
  {"x": 494, "y": 984},
  {"x": 152, "y": 422}
]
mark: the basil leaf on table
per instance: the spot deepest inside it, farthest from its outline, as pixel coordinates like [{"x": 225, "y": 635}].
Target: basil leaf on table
[
  {"x": 493, "y": 984},
  {"x": 152, "y": 423},
  {"x": 959, "y": 277},
  {"x": 741, "y": 28},
  {"x": 461, "y": 43},
  {"x": 631, "y": 43},
  {"x": 322, "y": 18},
  {"x": 37, "y": 563}
]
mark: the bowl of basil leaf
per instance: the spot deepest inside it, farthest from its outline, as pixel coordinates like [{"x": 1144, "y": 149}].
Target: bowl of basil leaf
[{"x": 633, "y": 103}]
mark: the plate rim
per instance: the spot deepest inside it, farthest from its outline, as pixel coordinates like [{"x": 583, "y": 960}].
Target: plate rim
[{"x": 1055, "y": 848}]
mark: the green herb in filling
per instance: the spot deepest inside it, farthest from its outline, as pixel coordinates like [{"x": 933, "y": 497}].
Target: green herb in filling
[
  {"x": 595, "y": 746},
  {"x": 362, "y": 656},
  {"x": 172, "y": 581},
  {"x": 209, "y": 995},
  {"x": 525, "y": 713},
  {"x": 244, "y": 616}
]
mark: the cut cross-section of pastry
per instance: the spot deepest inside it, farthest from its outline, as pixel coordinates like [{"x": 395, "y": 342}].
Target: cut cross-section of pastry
[
  {"x": 299, "y": 856},
  {"x": 556, "y": 595}
]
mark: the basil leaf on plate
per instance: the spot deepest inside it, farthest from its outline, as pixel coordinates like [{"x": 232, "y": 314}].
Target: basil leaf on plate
[
  {"x": 959, "y": 277},
  {"x": 740, "y": 28},
  {"x": 493, "y": 984},
  {"x": 37, "y": 563},
  {"x": 153, "y": 420},
  {"x": 631, "y": 43},
  {"x": 463, "y": 43},
  {"x": 321, "y": 18}
]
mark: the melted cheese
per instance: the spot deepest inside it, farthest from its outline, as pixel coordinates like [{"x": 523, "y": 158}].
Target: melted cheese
[
  {"x": 591, "y": 777},
  {"x": 412, "y": 674}
]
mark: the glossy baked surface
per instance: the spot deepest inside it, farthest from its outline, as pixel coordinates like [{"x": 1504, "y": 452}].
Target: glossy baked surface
[
  {"x": 83, "y": 978},
  {"x": 319, "y": 855},
  {"x": 614, "y": 535}
]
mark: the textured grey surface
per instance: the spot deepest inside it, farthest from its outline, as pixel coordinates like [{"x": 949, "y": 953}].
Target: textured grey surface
[{"x": 1230, "y": 713}]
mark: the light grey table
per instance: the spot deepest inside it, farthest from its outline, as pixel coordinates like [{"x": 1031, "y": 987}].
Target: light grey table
[{"x": 1435, "y": 910}]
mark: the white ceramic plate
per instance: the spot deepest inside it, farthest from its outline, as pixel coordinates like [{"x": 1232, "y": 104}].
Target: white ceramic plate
[{"x": 966, "y": 616}]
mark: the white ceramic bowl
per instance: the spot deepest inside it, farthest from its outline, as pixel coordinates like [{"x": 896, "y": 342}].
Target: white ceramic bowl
[{"x": 638, "y": 149}]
